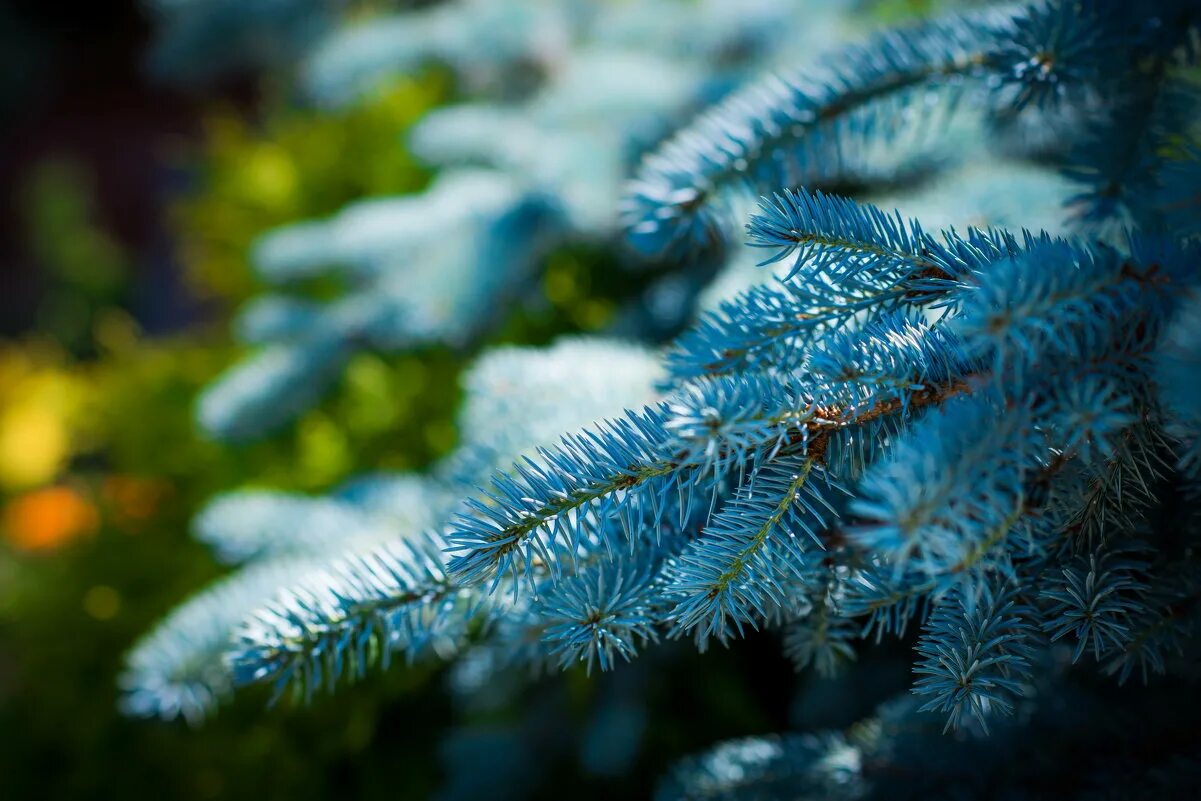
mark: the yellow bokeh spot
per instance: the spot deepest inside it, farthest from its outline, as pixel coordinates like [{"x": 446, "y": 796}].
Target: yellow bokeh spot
[
  {"x": 323, "y": 452},
  {"x": 102, "y": 602},
  {"x": 33, "y": 445},
  {"x": 37, "y": 402},
  {"x": 593, "y": 314},
  {"x": 560, "y": 286},
  {"x": 271, "y": 175}
]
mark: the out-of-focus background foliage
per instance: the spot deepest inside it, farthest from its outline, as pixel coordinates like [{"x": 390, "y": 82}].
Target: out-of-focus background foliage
[{"x": 128, "y": 208}]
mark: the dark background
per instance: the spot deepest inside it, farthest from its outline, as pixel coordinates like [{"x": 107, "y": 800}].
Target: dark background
[{"x": 74, "y": 84}]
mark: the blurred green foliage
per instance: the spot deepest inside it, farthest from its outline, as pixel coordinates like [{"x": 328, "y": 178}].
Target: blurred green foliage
[
  {"x": 291, "y": 164},
  {"x": 102, "y": 468},
  {"x": 71, "y": 603},
  {"x": 85, "y": 268}
]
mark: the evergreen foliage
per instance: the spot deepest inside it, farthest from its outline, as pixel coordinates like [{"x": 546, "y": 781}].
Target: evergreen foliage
[
  {"x": 533, "y": 159},
  {"x": 975, "y": 436}
]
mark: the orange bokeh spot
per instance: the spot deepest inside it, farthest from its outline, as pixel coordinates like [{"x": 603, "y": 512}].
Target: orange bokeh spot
[
  {"x": 47, "y": 519},
  {"x": 134, "y": 500}
]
